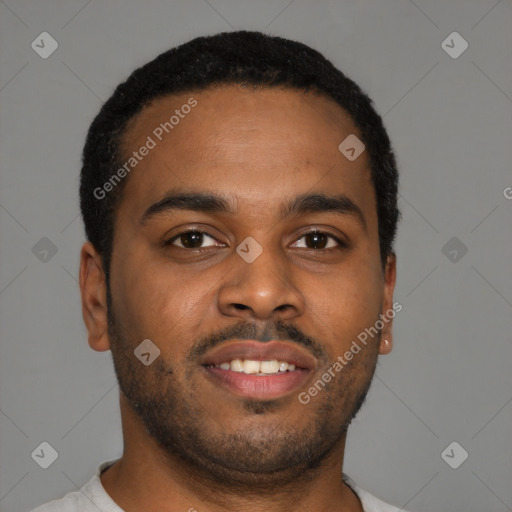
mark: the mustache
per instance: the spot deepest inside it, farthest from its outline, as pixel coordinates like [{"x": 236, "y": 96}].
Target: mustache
[{"x": 277, "y": 330}]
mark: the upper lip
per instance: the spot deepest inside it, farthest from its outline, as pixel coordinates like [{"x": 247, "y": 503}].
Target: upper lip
[{"x": 260, "y": 351}]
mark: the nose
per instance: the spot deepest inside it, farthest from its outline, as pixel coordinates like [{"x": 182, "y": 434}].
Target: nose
[{"x": 261, "y": 290}]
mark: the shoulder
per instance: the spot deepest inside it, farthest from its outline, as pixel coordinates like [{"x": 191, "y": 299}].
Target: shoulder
[
  {"x": 369, "y": 502},
  {"x": 91, "y": 497},
  {"x": 71, "y": 502},
  {"x": 373, "y": 504}
]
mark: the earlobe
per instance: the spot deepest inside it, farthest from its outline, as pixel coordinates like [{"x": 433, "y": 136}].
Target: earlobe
[
  {"x": 388, "y": 310},
  {"x": 93, "y": 292},
  {"x": 385, "y": 346}
]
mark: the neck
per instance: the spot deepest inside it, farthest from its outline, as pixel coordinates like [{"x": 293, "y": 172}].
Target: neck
[{"x": 146, "y": 478}]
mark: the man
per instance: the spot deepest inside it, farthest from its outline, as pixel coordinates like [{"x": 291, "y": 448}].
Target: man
[{"x": 239, "y": 199}]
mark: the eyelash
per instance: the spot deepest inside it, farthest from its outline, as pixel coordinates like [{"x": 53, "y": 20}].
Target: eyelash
[{"x": 340, "y": 243}]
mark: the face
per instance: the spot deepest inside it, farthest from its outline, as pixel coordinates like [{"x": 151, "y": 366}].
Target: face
[{"x": 243, "y": 236}]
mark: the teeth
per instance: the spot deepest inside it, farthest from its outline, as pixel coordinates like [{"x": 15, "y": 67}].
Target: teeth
[
  {"x": 237, "y": 365},
  {"x": 252, "y": 367},
  {"x": 269, "y": 366}
]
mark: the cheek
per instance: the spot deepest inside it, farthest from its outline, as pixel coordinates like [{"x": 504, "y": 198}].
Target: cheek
[
  {"x": 346, "y": 303},
  {"x": 156, "y": 302}
]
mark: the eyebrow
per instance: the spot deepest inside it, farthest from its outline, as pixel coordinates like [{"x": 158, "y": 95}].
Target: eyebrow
[
  {"x": 212, "y": 203},
  {"x": 322, "y": 203},
  {"x": 193, "y": 201}
]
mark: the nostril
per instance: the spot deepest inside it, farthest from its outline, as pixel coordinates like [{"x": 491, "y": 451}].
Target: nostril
[{"x": 241, "y": 306}]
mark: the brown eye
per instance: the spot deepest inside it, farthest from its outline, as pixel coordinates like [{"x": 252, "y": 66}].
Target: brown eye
[
  {"x": 319, "y": 240},
  {"x": 191, "y": 239}
]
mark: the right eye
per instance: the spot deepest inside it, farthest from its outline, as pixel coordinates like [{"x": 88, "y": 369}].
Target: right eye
[{"x": 191, "y": 239}]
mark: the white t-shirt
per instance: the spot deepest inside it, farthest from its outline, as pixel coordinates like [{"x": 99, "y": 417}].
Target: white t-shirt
[{"x": 92, "y": 497}]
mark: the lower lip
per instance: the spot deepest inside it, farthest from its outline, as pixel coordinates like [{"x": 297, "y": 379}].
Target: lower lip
[{"x": 262, "y": 387}]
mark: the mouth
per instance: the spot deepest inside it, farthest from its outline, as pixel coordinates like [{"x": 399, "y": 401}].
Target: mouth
[{"x": 259, "y": 370}]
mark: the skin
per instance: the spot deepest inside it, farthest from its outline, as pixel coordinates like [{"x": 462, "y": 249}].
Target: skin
[{"x": 258, "y": 148}]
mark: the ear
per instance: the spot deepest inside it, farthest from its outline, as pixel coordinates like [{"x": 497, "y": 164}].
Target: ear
[
  {"x": 386, "y": 339},
  {"x": 93, "y": 290}
]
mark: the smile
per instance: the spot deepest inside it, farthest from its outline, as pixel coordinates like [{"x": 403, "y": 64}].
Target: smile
[
  {"x": 259, "y": 370},
  {"x": 250, "y": 366}
]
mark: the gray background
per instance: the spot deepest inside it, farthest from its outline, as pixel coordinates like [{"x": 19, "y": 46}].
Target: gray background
[{"x": 448, "y": 377}]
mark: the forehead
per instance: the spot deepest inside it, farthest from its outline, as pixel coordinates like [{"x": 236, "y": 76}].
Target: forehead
[{"x": 256, "y": 144}]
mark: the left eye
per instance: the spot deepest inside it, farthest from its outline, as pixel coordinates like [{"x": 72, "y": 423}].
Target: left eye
[{"x": 318, "y": 240}]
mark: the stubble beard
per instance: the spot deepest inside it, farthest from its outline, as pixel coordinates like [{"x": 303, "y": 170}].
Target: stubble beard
[{"x": 254, "y": 460}]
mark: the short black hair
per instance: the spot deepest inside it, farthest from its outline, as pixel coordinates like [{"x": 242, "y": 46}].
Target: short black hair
[{"x": 228, "y": 58}]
